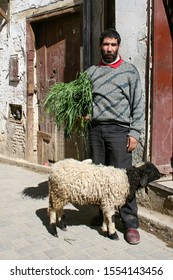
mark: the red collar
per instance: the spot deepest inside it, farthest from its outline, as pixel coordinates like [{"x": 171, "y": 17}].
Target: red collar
[{"x": 113, "y": 65}]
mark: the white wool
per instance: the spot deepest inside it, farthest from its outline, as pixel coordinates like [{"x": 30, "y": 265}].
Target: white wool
[
  {"x": 72, "y": 181},
  {"x": 83, "y": 183}
]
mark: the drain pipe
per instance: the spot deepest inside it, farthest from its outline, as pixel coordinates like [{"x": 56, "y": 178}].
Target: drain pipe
[{"x": 86, "y": 34}]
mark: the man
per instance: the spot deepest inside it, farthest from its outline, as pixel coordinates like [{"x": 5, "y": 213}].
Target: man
[{"x": 118, "y": 117}]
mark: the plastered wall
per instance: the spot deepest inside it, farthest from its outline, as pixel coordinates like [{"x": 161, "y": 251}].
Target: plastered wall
[
  {"x": 13, "y": 43},
  {"x": 131, "y": 23}
]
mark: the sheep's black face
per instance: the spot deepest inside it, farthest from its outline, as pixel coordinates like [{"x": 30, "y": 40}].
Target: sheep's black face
[{"x": 148, "y": 173}]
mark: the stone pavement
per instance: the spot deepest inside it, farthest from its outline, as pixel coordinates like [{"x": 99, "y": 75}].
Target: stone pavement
[{"x": 24, "y": 226}]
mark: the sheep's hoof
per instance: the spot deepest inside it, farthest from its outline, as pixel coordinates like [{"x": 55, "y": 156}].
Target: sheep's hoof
[
  {"x": 113, "y": 236},
  {"x": 64, "y": 228},
  {"x": 62, "y": 224},
  {"x": 53, "y": 230}
]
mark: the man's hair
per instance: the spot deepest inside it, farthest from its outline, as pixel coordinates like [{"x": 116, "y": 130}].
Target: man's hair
[{"x": 110, "y": 33}]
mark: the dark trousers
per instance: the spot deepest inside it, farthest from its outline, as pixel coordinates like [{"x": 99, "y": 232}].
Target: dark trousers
[{"x": 108, "y": 146}]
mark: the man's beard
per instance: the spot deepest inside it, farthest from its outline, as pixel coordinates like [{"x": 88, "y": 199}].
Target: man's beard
[{"x": 109, "y": 57}]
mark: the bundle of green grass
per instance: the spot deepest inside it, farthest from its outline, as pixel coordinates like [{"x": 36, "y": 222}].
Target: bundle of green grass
[{"x": 69, "y": 103}]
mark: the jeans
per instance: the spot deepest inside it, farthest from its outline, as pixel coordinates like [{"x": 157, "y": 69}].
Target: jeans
[{"x": 108, "y": 146}]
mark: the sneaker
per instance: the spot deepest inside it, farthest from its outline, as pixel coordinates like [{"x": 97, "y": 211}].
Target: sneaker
[{"x": 132, "y": 236}]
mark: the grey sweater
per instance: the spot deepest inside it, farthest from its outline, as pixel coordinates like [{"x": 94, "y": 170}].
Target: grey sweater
[{"x": 117, "y": 96}]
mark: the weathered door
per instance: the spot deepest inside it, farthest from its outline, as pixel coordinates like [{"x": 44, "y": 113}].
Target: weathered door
[
  {"x": 162, "y": 107},
  {"x": 57, "y": 60}
]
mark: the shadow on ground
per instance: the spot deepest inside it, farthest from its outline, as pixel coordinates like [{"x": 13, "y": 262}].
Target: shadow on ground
[
  {"x": 40, "y": 192},
  {"x": 82, "y": 215}
]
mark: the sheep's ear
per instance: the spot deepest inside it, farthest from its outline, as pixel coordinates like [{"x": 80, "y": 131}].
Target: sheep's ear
[{"x": 144, "y": 180}]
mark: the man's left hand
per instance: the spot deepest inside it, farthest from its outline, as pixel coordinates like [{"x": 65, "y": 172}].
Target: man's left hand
[{"x": 131, "y": 143}]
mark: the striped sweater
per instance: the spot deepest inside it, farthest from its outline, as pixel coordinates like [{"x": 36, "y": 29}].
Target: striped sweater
[{"x": 117, "y": 96}]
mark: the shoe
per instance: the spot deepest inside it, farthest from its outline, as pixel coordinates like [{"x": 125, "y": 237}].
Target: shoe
[{"x": 132, "y": 236}]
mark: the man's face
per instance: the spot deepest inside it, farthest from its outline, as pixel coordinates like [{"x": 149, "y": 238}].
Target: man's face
[{"x": 109, "y": 49}]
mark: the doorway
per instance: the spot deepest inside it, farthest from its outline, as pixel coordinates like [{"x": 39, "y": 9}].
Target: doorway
[{"x": 57, "y": 47}]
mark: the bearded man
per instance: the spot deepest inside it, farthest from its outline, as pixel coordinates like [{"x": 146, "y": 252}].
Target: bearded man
[{"x": 117, "y": 119}]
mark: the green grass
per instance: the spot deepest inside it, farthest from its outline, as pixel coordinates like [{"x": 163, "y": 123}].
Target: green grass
[{"x": 69, "y": 102}]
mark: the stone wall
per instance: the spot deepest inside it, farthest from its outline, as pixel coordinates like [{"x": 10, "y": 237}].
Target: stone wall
[{"x": 157, "y": 198}]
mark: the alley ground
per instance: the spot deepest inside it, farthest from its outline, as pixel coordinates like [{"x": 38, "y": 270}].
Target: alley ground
[{"x": 24, "y": 231}]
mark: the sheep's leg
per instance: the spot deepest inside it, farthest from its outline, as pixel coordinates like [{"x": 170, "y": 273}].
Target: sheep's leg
[
  {"x": 112, "y": 234},
  {"x": 104, "y": 224},
  {"x": 62, "y": 220},
  {"x": 110, "y": 219},
  {"x": 52, "y": 227}
]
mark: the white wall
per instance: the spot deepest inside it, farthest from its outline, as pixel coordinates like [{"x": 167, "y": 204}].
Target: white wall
[{"x": 131, "y": 23}]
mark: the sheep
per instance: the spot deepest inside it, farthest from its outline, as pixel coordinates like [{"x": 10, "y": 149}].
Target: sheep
[{"x": 82, "y": 183}]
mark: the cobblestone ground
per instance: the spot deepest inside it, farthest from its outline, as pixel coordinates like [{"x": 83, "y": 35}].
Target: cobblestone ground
[{"x": 24, "y": 223}]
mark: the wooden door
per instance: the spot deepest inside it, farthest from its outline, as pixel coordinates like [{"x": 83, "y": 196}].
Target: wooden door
[{"x": 57, "y": 60}]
